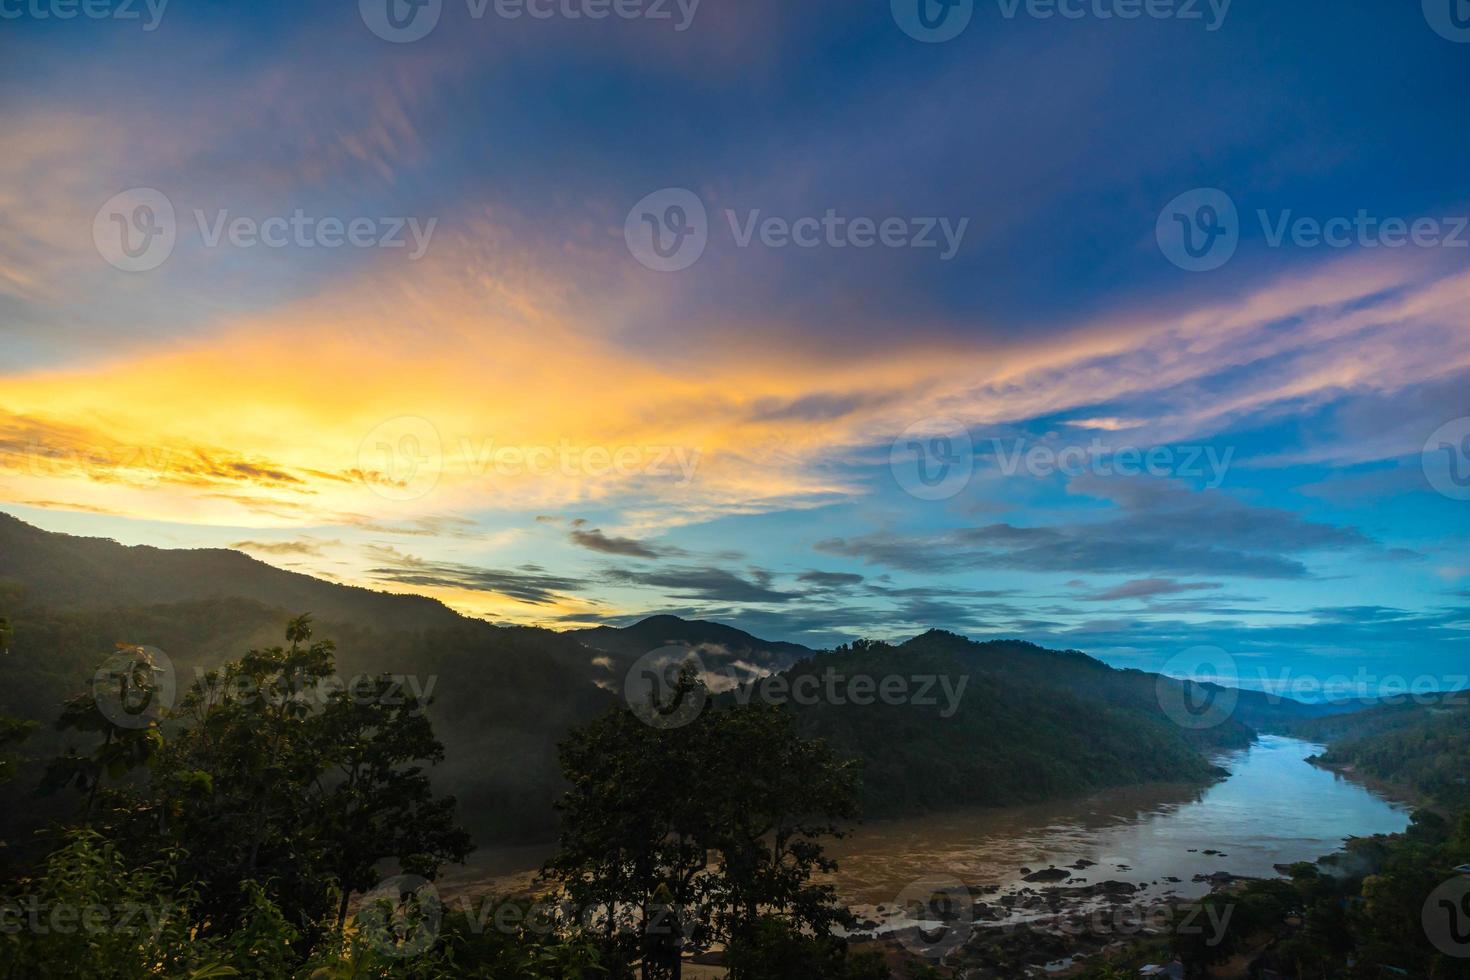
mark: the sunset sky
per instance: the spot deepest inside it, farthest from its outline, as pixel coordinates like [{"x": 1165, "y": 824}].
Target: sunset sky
[{"x": 515, "y": 415}]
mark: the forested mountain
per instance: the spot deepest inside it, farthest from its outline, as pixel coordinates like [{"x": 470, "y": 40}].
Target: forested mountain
[
  {"x": 1422, "y": 744},
  {"x": 1032, "y": 724},
  {"x": 1028, "y": 723},
  {"x": 69, "y": 572},
  {"x": 731, "y": 654}
]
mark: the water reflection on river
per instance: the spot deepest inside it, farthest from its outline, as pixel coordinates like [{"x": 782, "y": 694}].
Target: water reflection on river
[{"x": 1274, "y": 808}]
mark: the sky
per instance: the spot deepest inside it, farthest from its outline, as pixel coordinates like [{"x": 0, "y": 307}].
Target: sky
[{"x": 1130, "y": 328}]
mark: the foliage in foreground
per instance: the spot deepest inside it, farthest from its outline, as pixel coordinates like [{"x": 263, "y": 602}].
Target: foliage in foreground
[{"x": 227, "y": 837}]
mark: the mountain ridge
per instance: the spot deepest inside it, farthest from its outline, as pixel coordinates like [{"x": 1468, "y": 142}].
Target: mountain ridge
[{"x": 506, "y": 695}]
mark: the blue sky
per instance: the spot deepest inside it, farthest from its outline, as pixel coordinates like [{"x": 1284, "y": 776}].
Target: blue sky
[{"x": 347, "y": 410}]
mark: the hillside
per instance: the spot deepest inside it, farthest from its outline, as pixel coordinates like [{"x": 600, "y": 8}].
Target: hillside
[
  {"x": 69, "y": 572},
  {"x": 1421, "y": 744},
  {"x": 1032, "y": 723},
  {"x": 732, "y": 654}
]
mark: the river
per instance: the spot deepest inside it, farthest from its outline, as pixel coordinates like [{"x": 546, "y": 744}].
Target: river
[{"x": 1273, "y": 808}]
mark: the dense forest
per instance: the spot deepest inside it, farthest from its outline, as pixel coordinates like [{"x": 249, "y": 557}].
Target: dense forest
[
  {"x": 1385, "y": 906},
  {"x": 1032, "y": 724},
  {"x": 234, "y": 834},
  {"x": 257, "y": 833}
]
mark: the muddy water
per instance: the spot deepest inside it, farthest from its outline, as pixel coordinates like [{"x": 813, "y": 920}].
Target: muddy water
[{"x": 1274, "y": 808}]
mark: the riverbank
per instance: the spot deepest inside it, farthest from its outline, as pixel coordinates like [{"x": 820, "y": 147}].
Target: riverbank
[{"x": 1046, "y": 889}]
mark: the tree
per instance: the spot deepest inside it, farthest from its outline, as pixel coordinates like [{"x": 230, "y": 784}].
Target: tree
[
  {"x": 274, "y": 773},
  {"x": 688, "y": 836},
  {"x": 281, "y": 774},
  {"x": 13, "y": 731},
  {"x": 121, "y": 707}
]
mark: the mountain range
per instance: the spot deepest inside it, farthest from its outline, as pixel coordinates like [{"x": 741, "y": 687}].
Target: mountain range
[{"x": 1029, "y": 724}]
